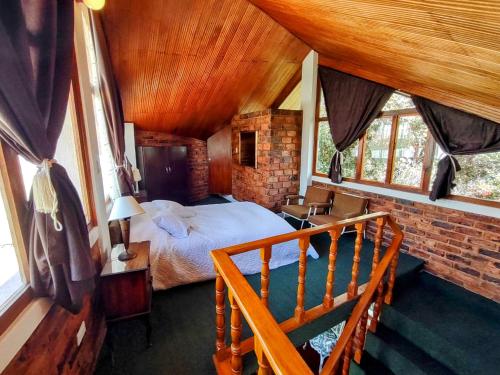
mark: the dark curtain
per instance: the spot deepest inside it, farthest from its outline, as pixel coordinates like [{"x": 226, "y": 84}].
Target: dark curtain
[
  {"x": 36, "y": 46},
  {"x": 112, "y": 107},
  {"x": 457, "y": 133},
  {"x": 352, "y": 103}
]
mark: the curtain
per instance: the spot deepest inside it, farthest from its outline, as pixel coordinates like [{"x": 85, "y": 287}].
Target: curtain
[
  {"x": 352, "y": 103},
  {"x": 112, "y": 107},
  {"x": 457, "y": 133},
  {"x": 36, "y": 47}
]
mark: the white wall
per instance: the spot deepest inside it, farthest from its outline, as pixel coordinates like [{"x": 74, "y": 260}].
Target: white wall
[{"x": 308, "y": 103}]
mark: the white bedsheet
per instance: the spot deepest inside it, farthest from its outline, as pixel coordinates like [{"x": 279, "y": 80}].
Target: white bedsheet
[{"x": 176, "y": 261}]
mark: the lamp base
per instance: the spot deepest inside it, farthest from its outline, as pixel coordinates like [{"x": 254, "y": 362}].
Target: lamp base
[{"x": 126, "y": 255}]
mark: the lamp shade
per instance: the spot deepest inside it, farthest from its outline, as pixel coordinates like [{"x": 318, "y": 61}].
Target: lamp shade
[
  {"x": 125, "y": 207},
  {"x": 136, "y": 174}
]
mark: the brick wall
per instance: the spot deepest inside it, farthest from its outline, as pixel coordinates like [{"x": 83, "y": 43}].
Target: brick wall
[
  {"x": 278, "y": 157},
  {"x": 197, "y": 158},
  {"x": 461, "y": 247}
]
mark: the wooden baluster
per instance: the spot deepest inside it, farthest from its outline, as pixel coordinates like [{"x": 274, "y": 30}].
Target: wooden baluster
[
  {"x": 264, "y": 366},
  {"x": 392, "y": 278},
  {"x": 376, "y": 258},
  {"x": 236, "y": 326},
  {"x": 220, "y": 315},
  {"x": 301, "y": 288},
  {"x": 330, "y": 279},
  {"x": 265, "y": 255},
  {"x": 347, "y": 358},
  {"x": 352, "y": 289},
  {"x": 359, "y": 339}
]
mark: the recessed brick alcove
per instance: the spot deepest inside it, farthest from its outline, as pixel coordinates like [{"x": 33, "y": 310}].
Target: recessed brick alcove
[{"x": 278, "y": 157}]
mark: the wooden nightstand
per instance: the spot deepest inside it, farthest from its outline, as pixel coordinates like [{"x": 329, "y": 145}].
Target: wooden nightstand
[{"x": 126, "y": 286}]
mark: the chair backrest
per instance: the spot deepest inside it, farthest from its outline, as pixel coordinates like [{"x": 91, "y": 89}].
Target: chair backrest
[
  {"x": 347, "y": 203},
  {"x": 317, "y": 195}
]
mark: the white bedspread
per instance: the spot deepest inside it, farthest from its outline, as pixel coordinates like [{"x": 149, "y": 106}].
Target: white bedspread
[{"x": 176, "y": 261}]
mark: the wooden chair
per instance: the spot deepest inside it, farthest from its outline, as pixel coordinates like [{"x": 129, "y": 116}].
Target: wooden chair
[
  {"x": 316, "y": 201},
  {"x": 344, "y": 206}
]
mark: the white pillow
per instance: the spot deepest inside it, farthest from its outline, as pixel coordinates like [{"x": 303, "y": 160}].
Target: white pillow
[
  {"x": 174, "y": 207},
  {"x": 171, "y": 223}
]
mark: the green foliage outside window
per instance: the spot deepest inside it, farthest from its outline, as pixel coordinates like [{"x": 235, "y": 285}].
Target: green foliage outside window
[{"x": 326, "y": 149}]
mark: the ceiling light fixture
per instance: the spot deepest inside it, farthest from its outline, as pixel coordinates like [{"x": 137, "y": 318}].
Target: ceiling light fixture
[{"x": 94, "y": 4}]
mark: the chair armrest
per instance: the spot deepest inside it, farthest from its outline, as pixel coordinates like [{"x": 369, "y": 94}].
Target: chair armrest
[
  {"x": 319, "y": 205},
  {"x": 293, "y": 196}
]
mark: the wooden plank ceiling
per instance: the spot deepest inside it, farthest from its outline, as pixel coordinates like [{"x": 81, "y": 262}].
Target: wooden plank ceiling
[
  {"x": 186, "y": 67},
  {"x": 445, "y": 50}
]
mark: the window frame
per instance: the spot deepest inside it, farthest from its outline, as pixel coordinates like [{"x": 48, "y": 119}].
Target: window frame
[
  {"x": 429, "y": 152},
  {"x": 17, "y": 208}
]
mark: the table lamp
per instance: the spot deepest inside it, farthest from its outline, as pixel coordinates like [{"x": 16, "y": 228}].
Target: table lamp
[{"x": 123, "y": 209}]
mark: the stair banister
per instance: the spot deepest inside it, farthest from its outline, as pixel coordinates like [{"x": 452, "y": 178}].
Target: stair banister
[{"x": 345, "y": 340}]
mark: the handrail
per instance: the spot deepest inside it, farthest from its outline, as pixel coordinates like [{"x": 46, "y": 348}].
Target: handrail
[
  {"x": 242, "y": 248},
  {"x": 279, "y": 350},
  {"x": 364, "y": 302},
  {"x": 270, "y": 343}
]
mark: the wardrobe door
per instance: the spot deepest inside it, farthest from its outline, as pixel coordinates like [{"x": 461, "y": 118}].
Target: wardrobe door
[{"x": 177, "y": 174}]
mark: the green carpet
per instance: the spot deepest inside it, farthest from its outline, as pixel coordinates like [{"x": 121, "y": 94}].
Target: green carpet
[
  {"x": 435, "y": 327},
  {"x": 183, "y": 317}
]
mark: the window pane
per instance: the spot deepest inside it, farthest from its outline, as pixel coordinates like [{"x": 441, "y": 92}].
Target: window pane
[
  {"x": 350, "y": 160},
  {"x": 479, "y": 176},
  {"x": 10, "y": 275},
  {"x": 398, "y": 101},
  {"x": 106, "y": 161},
  {"x": 326, "y": 150},
  {"x": 322, "y": 106},
  {"x": 376, "y": 149},
  {"x": 409, "y": 151}
]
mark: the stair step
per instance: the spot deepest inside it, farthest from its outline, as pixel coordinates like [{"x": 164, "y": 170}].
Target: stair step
[
  {"x": 400, "y": 355},
  {"x": 369, "y": 366},
  {"x": 448, "y": 323}
]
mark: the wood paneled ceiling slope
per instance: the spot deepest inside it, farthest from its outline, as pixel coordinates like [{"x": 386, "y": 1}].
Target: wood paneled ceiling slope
[
  {"x": 445, "y": 50},
  {"x": 186, "y": 67}
]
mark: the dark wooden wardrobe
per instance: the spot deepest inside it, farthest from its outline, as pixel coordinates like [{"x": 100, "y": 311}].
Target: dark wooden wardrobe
[{"x": 164, "y": 172}]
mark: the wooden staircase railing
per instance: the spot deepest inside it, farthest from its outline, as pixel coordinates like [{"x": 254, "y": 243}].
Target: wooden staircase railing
[{"x": 275, "y": 352}]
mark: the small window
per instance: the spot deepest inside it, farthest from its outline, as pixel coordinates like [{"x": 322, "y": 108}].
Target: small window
[
  {"x": 247, "y": 148},
  {"x": 376, "y": 150}
]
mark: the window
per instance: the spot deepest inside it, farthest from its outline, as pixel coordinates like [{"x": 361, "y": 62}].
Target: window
[
  {"x": 69, "y": 155},
  {"x": 397, "y": 150},
  {"x": 106, "y": 160}
]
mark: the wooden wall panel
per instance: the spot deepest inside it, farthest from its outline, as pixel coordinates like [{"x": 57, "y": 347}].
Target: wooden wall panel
[
  {"x": 186, "y": 67},
  {"x": 52, "y": 348},
  {"x": 220, "y": 162},
  {"x": 445, "y": 50}
]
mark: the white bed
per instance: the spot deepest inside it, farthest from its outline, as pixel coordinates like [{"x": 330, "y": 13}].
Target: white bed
[{"x": 176, "y": 261}]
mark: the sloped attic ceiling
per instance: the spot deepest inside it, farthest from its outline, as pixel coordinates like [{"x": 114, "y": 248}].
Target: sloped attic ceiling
[
  {"x": 445, "y": 50},
  {"x": 186, "y": 67}
]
